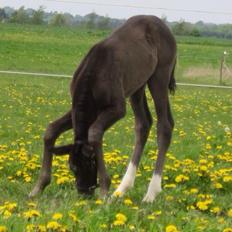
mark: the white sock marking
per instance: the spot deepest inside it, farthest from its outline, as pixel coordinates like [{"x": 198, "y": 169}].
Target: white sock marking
[
  {"x": 153, "y": 189},
  {"x": 128, "y": 179}
]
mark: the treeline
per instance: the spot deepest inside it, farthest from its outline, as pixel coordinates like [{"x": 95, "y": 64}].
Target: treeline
[
  {"x": 201, "y": 29},
  {"x": 92, "y": 20},
  {"x": 40, "y": 16}
]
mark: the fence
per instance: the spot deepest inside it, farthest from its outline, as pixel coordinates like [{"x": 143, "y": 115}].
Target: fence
[{"x": 69, "y": 76}]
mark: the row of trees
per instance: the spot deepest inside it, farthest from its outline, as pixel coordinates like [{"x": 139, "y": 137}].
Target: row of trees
[
  {"x": 39, "y": 16},
  {"x": 202, "y": 29},
  {"x": 22, "y": 16},
  {"x": 92, "y": 20}
]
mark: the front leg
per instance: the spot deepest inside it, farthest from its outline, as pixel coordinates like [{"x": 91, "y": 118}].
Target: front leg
[
  {"x": 104, "y": 120},
  {"x": 53, "y": 131}
]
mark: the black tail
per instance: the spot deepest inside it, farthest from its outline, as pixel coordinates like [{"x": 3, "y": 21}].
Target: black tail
[{"x": 172, "y": 83}]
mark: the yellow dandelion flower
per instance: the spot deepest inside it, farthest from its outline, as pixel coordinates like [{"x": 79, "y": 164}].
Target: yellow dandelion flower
[
  {"x": 10, "y": 206},
  {"x": 120, "y": 219},
  {"x": 202, "y": 205},
  {"x": 181, "y": 178},
  {"x": 203, "y": 161},
  {"x": 7, "y": 214},
  {"x": 62, "y": 180},
  {"x": 208, "y": 146},
  {"x": 98, "y": 202},
  {"x": 3, "y": 229},
  {"x": 31, "y": 213},
  {"x": 32, "y": 204},
  {"x": 203, "y": 168},
  {"x": 157, "y": 213},
  {"x": 221, "y": 220},
  {"x": 169, "y": 185},
  {"x": 115, "y": 176},
  {"x": 169, "y": 198},
  {"x": 128, "y": 201},
  {"x": 193, "y": 190},
  {"x": 227, "y": 230},
  {"x": 151, "y": 217},
  {"x": 191, "y": 207},
  {"x": 171, "y": 228},
  {"x": 117, "y": 194},
  {"x": 218, "y": 185},
  {"x": 27, "y": 179},
  {"x": 227, "y": 178},
  {"x": 215, "y": 210},
  {"x": 53, "y": 225},
  {"x": 57, "y": 216},
  {"x": 229, "y": 213},
  {"x": 73, "y": 216},
  {"x": 81, "y": 203},
  {"x": 118, "y": 223},
  {"x": 30, "y": 228},
  {"x": 42, "y": 228},
  {"x": 131, "y": 227}
]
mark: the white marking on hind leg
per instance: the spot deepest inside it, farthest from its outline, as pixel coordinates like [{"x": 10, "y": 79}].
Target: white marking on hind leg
[
  {"x": 127, "y": 181},
  {"x": 153, "y": 189}
]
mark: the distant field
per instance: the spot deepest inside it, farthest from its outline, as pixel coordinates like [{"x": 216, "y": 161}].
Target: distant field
[
  {"x": 197, "y": 183},
  {"x": 59, "y": 50}
]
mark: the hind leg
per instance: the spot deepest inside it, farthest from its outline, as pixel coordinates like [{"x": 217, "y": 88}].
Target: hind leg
[
  {"x": 143, "y": 122},
  {"x": 158, "y": 86}
]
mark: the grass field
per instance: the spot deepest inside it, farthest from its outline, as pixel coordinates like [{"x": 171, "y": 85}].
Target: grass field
[
  {"x": 197, "y": 183},
  {"x": 59, "y": 50}
]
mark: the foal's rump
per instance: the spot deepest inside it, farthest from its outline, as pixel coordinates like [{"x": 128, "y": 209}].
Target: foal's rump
[{"x": 138, "y": 47}]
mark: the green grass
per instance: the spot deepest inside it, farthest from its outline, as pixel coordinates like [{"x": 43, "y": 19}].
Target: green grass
[
  {"x": 44, "y": 49},
  {"x": 59, "y": 50},
  {"x": 200, "y": 150}
]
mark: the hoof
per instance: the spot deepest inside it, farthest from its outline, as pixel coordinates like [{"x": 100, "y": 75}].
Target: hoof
[
  {"x": 123, "y": 188},
  {"x": 34, "y": 192},
  {"x": 150, "y": 197},
  {"x": 104, "y": 188},
  {"x": 40, "y": 186}
]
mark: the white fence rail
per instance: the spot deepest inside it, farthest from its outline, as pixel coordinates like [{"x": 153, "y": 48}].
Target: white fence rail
[{"x": 69, "y": 76}]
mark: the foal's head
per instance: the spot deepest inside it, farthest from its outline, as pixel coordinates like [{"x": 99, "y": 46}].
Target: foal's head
[{"x": 82, "y": 162}]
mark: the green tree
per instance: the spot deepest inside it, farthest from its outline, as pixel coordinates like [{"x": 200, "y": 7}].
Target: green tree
[
  {"x": 195, "y": 32},
  {"x": 91, "y": 20},
  {"x": 179, "y": 28},
  {"x": 20, "y": 16},
  {"x": 37, "y": 17},
  {"x": 2, "y": 14},
  {"x": 58, "y": 20},
  {"x": 104, "y": 23}
]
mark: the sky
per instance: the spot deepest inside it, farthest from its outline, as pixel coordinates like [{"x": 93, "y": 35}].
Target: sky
[{"x": 174, "y": 10}]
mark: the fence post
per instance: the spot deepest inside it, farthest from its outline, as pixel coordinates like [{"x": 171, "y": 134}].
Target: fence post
[
  {"x": 223, "y": 59},
  {"x": 221, "y": 68}
]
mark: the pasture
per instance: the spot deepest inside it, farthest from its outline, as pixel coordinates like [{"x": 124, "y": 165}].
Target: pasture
[{"x": 197, "y": 183}]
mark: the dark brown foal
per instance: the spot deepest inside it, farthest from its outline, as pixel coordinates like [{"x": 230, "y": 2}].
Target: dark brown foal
[{"x": 140, "y": 53}]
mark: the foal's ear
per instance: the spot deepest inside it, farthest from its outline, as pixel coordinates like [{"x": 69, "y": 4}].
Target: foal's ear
[{"x": 63, "y": 150}]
